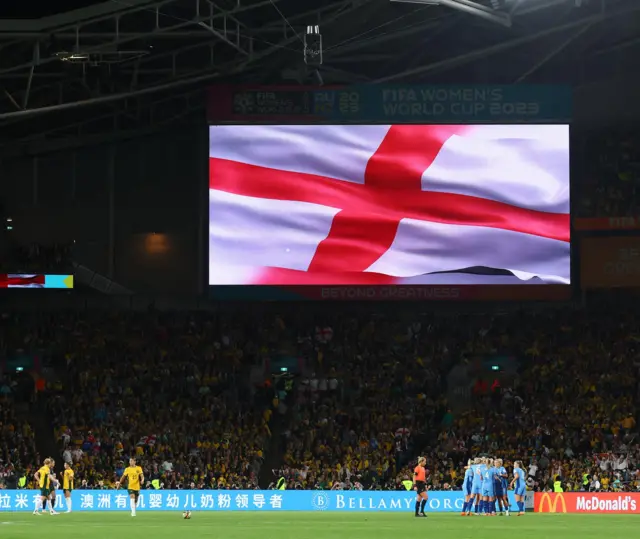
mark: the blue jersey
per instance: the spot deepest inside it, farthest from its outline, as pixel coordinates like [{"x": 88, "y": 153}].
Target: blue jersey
[
  {"x": 491, "y": 475},
  {"x": 502, "y": 472},
  {"x": 521, "y": 480},
  {"x": 477, "y": 474},
  {"x": 487, "y": 476},
  {"x": 468, "y": 476}
]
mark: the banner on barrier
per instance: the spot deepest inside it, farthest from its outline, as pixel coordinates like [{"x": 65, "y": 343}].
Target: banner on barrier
[
  {"x": 240, "y": 500},
  {"x": 606, "y": 223},
  {"x": 610, "y": 262},
  {"x": 547, "y": 292},
  {"x": 377, "y": 103},
  {"x": 587, "y": 502}
]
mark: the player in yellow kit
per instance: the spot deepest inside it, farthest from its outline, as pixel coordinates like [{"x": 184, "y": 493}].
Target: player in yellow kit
[
  {"x": 44, "y": 479},
  {"x": 134, "y": 477},
  {"x": 67, "y": 484}
]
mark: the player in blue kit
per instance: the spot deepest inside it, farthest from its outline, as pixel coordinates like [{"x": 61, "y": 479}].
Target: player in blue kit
[
  {"x": 520, "y": 482},
  {"x": 501, "y": 487},
  {"x": 476, "y": 484},
  {"x": 466, "y": 488},
  {"x": 488, "y": 488}
]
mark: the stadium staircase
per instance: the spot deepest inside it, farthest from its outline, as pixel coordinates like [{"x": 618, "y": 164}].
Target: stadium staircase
[
  {"x": 42, "y": 422},
  {"x": 274, "y": 455}
]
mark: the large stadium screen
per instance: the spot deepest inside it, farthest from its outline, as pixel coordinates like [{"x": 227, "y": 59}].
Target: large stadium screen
[{"x": 389, "y": 205}]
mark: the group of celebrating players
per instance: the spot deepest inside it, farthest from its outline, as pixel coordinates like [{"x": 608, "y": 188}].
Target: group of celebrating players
[
  {"x": 485, "y": 487},
  {"x": 48, "y": 484}
]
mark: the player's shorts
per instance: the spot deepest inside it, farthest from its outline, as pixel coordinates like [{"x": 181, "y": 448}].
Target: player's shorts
[
  {"x": 44, "y": 492},
  {"x": 68, "y": 490},
  {"x": 505, "y": 487},
  {"x": 421, "y": 487},
  {"x": 498, "y": 490},
  {"x": 466, "y": 489},
  {"x": 520, "y": 491},
  {"x": 488, "y": 492},
  {"x": 136, "y": 493},
  {"x": 476, "y": 489}
]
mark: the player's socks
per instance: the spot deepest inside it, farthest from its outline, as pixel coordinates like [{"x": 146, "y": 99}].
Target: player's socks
[
  {"x": 476, "y": 507},
  {"x": 521, "y": 507},
  {"x": 495, "y": 506},
  {"x": 465, "y": 506},
  {"x": 423, "y": 505},
  {"x": 68, "y": 500},
  {"x": 132, "y": 504},
  {"x": 417, "y": 508}
]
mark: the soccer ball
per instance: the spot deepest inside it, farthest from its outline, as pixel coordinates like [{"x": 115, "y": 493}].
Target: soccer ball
[{"x": 186, "y": 514}]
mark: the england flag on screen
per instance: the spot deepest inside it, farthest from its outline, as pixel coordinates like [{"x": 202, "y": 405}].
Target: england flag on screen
[{"x": 380, "y": 204}]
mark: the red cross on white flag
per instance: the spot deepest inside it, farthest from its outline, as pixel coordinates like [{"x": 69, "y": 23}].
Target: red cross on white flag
[{"x": 379, "y": 204}]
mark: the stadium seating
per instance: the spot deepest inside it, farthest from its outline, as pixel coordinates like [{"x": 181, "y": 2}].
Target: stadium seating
[
  {"x": 175, "y": 390},
  {"x": 17, "y": 440},
  {"x": 572, "y": 408},
  {"x": 355, "y": 417},
  {"x": 169, "y": 390},
  {"x": 609, "y": 187}
]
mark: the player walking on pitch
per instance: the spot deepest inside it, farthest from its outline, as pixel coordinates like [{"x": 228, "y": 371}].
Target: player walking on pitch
[
  {"x": 469, "y": 470},
  {"x": 520, "y": 481},
  {"x": 134, "y": 477},
  {"x": 67, "y": 484},
  {"x": 420, "y": 486},
  {"x": 45, "y": 479}
]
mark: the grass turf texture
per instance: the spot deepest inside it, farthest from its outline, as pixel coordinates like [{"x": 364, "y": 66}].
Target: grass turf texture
[{"x": 312, "y": 526}]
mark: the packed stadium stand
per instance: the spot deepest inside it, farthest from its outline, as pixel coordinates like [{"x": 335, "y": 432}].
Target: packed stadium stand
[
  {"x": 609, "y": 187},
  {"x": 179, "y": 391}
]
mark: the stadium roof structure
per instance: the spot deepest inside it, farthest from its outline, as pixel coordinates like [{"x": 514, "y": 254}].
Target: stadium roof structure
[{"x": 126, "y": 66}]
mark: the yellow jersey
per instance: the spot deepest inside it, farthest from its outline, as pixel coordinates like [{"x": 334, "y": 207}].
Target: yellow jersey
[
  {"x": 67, "y": 479},
  {"x": 45, "y": 481},
  {"x": 133, "y": 473}
]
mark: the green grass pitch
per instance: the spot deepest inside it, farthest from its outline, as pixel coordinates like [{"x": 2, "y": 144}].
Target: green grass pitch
[{"x": 296, "y": 525}]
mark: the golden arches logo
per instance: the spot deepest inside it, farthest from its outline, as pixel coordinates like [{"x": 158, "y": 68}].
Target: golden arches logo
[{"x": 552, "y": 504}]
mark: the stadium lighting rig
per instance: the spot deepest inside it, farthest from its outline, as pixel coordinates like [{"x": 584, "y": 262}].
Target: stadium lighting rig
[{"x": 313, "y": 46}]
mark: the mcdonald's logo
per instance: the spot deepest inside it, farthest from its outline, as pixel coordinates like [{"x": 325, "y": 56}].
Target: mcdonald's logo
[{"x": 552, "y": 500}]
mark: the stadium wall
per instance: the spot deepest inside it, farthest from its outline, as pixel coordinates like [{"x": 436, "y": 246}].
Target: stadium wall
[{"x": 248, "y": 500}]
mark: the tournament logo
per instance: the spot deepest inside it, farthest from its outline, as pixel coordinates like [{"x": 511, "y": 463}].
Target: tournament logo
[
  {"x": 320, "y": 501},
  {"x": 549, "y": 505},
  {"x": 243, "y": 103}
]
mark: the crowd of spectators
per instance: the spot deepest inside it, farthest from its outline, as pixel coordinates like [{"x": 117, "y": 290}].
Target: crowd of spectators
[
  {"x": 609, "y": 186},
  {"x": 176, "y": 391},
  {"x": 376, "y": 383},
  {"x": 17, "y": 441},
  {"x": 569, "y": 411},
  {"x": 171, "y": 390}
]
